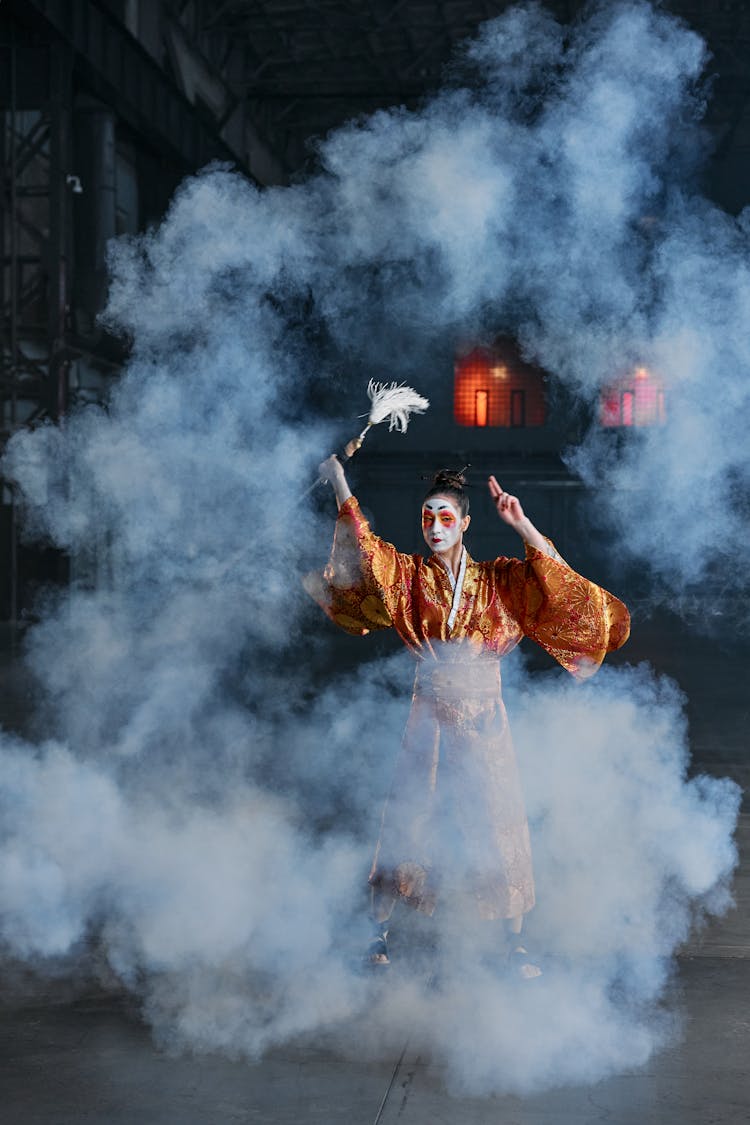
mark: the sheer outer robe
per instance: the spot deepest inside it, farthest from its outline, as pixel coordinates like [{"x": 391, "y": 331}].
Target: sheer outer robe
[{"x": 455, "y": 819}]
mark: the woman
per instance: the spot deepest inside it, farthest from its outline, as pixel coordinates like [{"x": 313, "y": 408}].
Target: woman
[{"x": 454, "y": 824}]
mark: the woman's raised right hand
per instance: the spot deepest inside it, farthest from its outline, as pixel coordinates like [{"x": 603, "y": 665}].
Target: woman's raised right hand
[{"x": 331, "y": 469}]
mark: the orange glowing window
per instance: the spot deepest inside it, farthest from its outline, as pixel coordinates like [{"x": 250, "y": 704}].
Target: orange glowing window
[
  {"x": 636, "y": 400},
  {"x": 494, "y": 387}
]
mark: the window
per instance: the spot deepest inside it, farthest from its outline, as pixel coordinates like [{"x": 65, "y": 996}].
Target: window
[
  {"x": 635, "y": 400},
  {"x": 494, "y": 387},
  {"x": 482, "y": 406}
]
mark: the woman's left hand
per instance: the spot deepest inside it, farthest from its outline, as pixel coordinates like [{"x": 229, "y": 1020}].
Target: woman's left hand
[{"x": 508, "y": 507}]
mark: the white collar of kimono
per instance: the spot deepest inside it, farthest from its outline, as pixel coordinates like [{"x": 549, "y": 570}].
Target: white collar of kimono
[{"x": 457, "y": 585}]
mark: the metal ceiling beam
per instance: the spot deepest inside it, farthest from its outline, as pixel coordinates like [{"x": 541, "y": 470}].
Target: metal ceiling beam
[{"x": 324, "y": 91}]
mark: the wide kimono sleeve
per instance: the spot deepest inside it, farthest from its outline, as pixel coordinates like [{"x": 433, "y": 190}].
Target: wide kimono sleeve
[
  {"x": 575, "y": 620},
  {"x": 366, "y": 582}
]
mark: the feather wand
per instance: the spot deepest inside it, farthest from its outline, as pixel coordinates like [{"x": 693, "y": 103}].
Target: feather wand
[{"x": 394, "y": 402}]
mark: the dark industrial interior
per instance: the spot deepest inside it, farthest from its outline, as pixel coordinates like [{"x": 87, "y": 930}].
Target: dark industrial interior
[{"x": 106, "y": 107}]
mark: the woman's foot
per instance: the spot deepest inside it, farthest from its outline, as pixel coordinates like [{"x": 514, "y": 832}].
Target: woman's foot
[
  {"x": 377, "y": 951},
  {"x": 522, "y": 963}
]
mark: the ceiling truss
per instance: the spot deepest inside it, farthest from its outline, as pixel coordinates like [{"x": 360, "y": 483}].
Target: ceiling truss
[{"x": 305, "y": 66}]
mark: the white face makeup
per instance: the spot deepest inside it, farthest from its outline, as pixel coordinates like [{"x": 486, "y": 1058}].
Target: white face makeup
[{"x": 441, "y": 523}]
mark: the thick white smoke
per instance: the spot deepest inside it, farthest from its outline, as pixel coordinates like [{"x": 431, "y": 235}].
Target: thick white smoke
[
  {"x": 235, "y": 922},
  {"x": 206, "y": 809}
]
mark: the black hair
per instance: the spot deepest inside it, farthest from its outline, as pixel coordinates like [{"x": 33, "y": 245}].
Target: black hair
[{"x": 450, "y": 482}]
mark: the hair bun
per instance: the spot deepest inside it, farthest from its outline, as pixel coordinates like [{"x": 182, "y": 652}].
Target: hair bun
[
  {"x": 450, "y": 482},
  {"x": 450, "y": 478}
]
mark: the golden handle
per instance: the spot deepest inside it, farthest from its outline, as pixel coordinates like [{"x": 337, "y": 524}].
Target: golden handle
[{"x": 351, "y": 448}]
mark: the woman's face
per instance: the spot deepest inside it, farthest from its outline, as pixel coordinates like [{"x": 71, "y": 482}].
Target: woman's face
[{"x": 442, "y": 523}]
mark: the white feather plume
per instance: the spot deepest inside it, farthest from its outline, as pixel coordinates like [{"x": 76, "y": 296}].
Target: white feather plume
[{"x": 394, "y": 401}]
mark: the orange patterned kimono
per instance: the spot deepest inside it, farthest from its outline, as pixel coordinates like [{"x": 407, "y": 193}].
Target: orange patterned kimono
[{"x": 454, "y": 822}]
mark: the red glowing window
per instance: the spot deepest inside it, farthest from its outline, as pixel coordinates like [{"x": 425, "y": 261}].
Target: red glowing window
[
  {"x": 494, "y": 387},
  {"x": 628, "y": 397},
  {"x": 636, "y": 400}
]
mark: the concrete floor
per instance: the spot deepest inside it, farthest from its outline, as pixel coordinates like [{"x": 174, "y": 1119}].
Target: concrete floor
[
  {"x": 86, "y": 1057},
  {"x": 92, "y": 1061}
]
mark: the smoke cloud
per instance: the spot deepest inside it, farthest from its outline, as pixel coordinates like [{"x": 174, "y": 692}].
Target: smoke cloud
[{"x": 206, "y": 807}]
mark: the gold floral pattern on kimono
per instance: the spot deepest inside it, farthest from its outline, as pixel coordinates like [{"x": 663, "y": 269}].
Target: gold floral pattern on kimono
[{"x": 454, "y": 822}]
